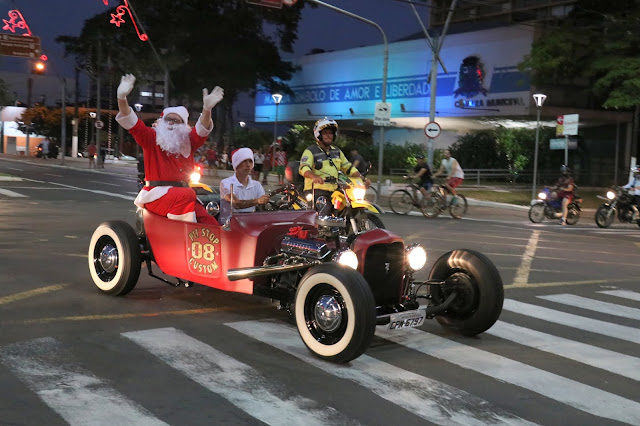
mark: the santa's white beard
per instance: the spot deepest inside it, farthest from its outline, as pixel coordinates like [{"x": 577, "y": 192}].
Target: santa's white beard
[{"x": 174, "y": 138}]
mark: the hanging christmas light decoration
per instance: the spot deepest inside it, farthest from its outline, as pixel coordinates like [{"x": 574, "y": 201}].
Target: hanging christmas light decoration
[
  {"x": 117, "y": 18},
  {"x": 16, "y": 20}
]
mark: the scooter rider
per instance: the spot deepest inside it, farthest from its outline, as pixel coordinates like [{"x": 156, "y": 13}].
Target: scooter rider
[
  {"x": 634, "y": 189},
  {"x": 566, "y": 189},
  {"x": 323, "y": 160}
]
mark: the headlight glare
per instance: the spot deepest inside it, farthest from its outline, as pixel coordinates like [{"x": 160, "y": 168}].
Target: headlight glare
[
  {"x": 359, "y": 193},
  {"x": 195, "y": 177},
  {"x": 347, "y": 258},
  {"x": 416, "y": 257},
  {"x": 542, "y": 195},
  {"x": 611, "y": 195}
]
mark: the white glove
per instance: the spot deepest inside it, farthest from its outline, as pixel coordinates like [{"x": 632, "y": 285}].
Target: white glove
[
  {"x": 126, "y": 85},
  {"x": 209, "y": 100}
]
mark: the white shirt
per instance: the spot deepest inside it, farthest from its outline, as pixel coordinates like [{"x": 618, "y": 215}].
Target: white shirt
[
  {"x": 258, "y": 158},
  {"x": 634, "y": 185},
  {"x": 453, "y": 168},
  {"x": 251, "y": 191}
]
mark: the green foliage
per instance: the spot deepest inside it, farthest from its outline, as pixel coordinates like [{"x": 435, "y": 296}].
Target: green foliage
[
  {"x": 46, "y": 121},
  {"x": 596, "y": 48},
  {"x": 252, "y": 138},
  {"x": 6, "y": 98}
]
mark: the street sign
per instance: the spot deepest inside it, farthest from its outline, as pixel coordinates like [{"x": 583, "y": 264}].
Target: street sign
[
  {"x": 268, "y": 3},
  {"x": 99, "y": 124},
  {"x": 382, "y": 114},
  {"x": 432, "y": 130},
  {"x": 17, "y": 45},
  {"x": 571, "y": 124},
  {"x": 560, "y": 143}
]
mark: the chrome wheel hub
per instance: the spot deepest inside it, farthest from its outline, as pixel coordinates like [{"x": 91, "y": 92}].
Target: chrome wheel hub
[
  {"x": 108, "y": 258},
  {"x": 328, "y": 313}
]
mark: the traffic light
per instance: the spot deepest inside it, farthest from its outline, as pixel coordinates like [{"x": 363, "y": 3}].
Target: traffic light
[{"x": 39, "y": 67}]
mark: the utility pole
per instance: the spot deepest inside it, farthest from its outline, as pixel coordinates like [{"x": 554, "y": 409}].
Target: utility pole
[{"x": 63, "y": 119}]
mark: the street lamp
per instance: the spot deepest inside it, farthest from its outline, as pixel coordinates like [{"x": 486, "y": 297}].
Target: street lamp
[
  {"x": 539, "y": 100},
  {"x": 242, "y": 124},
  {"x": 277, "y": 97}
]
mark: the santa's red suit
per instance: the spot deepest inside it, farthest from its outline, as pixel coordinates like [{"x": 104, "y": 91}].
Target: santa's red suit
[{"x": 163, "y": 171}]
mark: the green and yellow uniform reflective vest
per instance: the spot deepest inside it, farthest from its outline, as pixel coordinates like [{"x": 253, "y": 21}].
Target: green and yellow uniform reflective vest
[{"x": 324, "y": 164}]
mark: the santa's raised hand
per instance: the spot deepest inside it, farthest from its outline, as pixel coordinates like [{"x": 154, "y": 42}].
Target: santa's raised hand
[
  {"x": 126, "y": 85},
  {"x": 209, "y": 100}
]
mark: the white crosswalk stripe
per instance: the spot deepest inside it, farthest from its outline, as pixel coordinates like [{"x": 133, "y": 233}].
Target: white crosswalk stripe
[
  {"x": 624, "y": 365},
  {"x": 237, "y": 382},
  {"x": 594, "y": 305},
  {"x": 580, "y": 396},
  {"x": 11, "y": 194},
  {"x": 632, "y": 295},
  {"x": 621, "y": 332},
  {"x": 432, "y": 400},
  {"x": 76, "y": 395}
]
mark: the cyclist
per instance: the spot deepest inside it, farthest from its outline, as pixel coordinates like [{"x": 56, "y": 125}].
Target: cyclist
[
  {"x": 451, "y": 167},
  {"x": 324, "y": 160},
  {"x": 423, "y": 173}
]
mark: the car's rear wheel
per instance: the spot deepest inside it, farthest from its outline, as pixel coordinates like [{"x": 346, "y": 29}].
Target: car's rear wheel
[
  {"x": 335, "y": 312},
  {"x": 478, "y": 287},
  {"x": 114, "y": 258}
]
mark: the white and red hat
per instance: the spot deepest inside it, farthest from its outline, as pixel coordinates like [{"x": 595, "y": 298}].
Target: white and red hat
[
  {"x": 239, "y": 155},
  {"x": 180, "y": 110}
]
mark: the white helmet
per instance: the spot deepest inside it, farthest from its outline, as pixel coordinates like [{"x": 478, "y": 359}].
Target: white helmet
[{"x": 323, "y": 123}]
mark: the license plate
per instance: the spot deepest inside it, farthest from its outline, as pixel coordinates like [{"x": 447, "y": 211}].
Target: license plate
[{"x": 406, "y": 319}]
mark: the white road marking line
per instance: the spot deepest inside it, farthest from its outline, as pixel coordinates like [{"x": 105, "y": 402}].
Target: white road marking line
[
  {"x": 105, "y": 183},
  {"x": 52, "y": 174},
  {"x": 430, "y": 399},
  {"x": 132, "y": 193},
  {"x": 239, "y": 383},
  {"x": 96, "y": 191},
  {"x": 11, "y": 193},
  {"x": 621, "y": 332},
  {"x": 617, "y": 363},
  {"x": 575, "y": 394},
  {"x": 14, "y": 168},
  {"x": 75, "y": 394},
  {"x": 522, "y": 275},
  {"x": 594, "y": 305},
  {"x": 622, "y": 293}
]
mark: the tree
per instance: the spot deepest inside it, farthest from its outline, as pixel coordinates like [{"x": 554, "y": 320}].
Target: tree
[
  {"x": 595, "y": 50},
  {"x": 46, "y": 122},
  {"x": 203, "y": 43}
]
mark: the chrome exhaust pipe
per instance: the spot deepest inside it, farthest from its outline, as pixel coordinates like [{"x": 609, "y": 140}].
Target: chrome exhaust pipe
[{"x": 258, "y": 271}]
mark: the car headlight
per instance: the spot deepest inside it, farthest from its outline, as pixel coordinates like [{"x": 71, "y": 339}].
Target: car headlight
[
  {"x": 359, "y": 193},
  {"x": 195, "y": 177},
  {"x": 542, "y": 195},
  {"x": 611, "y": 195},
  {"x": 416, "y": 257},
  {"x": 347, "y": 258}
]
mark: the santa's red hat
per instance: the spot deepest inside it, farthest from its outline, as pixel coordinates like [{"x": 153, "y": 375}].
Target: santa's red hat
[{"x": 180, "y": 110}]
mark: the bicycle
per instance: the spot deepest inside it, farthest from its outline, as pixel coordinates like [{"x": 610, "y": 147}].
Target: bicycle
[
  {"x": 402, "y": 201},
  {"x": 441, "y": 199}
]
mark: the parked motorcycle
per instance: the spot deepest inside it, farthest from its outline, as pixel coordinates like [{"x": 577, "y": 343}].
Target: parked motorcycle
[
  {"x": 549, "y": 205},
  {"x": 620, "y": 202}
]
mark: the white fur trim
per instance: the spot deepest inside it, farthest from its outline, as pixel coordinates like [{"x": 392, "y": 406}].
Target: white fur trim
[
  {"x": 201, "y": 130},
  {"x": 180, "y": 110},
  {"x": 127, "y": 121},
  {"x": 187, "y": 217},
  {"x": 240, "y": 155},
  {"x": 153, "y": 194}
]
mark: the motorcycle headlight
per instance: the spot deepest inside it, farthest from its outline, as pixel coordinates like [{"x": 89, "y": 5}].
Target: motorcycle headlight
[
  {"x": 542, "y": 195},
  {"x": 309, "y": 197},
  {"x": 347, "y": 258},
  {"x": 195, "y": 177},
  {"x": 611, "y": 195},
  {"x": 358, "y": 193},
  {"x": 416, "y": 257}
]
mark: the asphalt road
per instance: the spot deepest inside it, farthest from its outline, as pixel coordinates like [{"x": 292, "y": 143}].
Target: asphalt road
[{"x": 565, "y": 350}]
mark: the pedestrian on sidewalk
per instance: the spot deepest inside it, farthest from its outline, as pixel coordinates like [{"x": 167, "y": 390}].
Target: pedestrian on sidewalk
[{"x": 91, "y": 150}]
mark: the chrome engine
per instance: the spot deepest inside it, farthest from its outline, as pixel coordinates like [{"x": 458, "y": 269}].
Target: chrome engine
[{"x": 314, "y": 249}]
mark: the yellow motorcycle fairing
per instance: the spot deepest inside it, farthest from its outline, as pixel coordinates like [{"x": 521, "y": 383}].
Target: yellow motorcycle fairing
[{"x": 200, "y": 185}]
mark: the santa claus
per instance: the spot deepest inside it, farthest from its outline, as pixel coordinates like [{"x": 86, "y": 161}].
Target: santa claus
[{"x": 168, "y": 150}]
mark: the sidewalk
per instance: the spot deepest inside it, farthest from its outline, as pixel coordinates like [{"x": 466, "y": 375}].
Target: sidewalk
[{"x": 213, "y": 177}]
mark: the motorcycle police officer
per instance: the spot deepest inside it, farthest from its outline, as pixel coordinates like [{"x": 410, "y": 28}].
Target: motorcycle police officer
[{"x": 323, "y": 160}]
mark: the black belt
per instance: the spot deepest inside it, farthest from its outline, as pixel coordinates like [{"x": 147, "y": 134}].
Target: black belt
[{"x": 165, "y": 183}]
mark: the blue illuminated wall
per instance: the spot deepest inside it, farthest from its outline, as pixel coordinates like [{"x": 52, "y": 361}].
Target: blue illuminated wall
[{"x": 347, "y": 84}]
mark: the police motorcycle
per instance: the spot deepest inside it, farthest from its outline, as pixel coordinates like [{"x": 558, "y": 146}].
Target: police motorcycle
[
  {"x": 618, "y": 202},
  {"x": 549, "y": 205}
]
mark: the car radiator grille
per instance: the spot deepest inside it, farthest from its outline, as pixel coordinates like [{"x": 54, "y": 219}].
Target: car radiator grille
[{"x": 383, "y": 270}]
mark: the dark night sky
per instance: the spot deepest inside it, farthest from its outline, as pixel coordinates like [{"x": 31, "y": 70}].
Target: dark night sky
[{"x": 319, "y": 28}]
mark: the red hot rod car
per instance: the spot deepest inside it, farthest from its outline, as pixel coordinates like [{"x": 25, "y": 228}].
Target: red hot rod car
[{"x": 337, "y": 287}]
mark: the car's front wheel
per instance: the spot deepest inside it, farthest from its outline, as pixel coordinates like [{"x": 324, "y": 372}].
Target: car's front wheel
[
  {"x": 335, "y": 312},
  {"x": 114, "y": 258}
]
